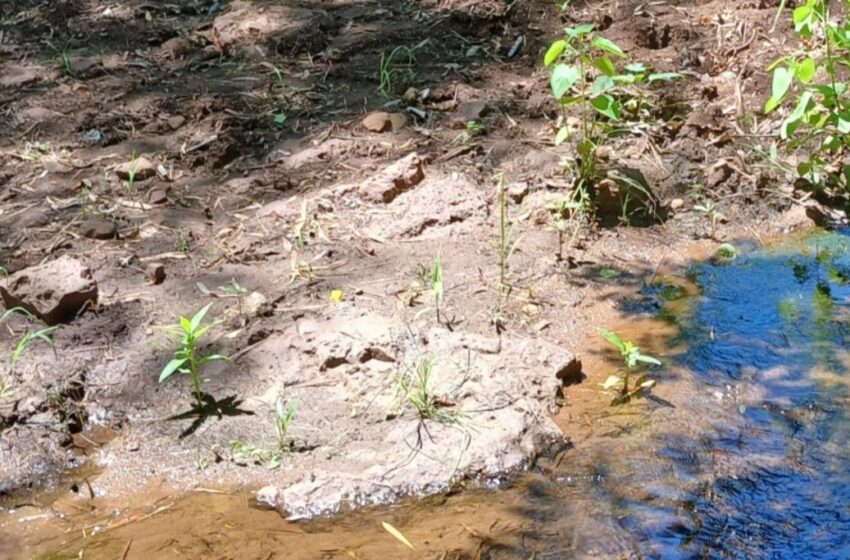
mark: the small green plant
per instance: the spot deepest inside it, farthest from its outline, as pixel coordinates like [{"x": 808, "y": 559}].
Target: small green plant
[
  {"x": 562, "y": 212},
  {"x": 278, "y": 77},
  {"x": 234, "y": 289},
  {"x": 241, "y": 452},
  {"x": 64, "y": 58},
  {"x": 395, "y": 65},
  {"x": 283, "y": 417},
  {"x": 182, "y": 244},
  {"x": 28, "y": 337},
  {"x": 437, "y": 283},
  {"x": 632, "y": 358},
  {"x": 187, "y": 359},
  {"x": 584, "y": 54},
  {"x": 819, "y": 123},
  {"x": 712, "y": 216},
  {"x": 475, "y": 128},
  {"x": 414, "y": 388}
]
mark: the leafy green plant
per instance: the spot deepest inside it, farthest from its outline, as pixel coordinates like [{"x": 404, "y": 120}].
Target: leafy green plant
[
  {"x": 283, "y": 417},
  {"x": 819, "y": 123},
  {"x": 726, "y": 252},
  {"x": 712, "y": 216},
  {"x": 475, "y": 128},
  {"x": 414, "y": 386},
  {"x": 394, "y": 65},
  {"x": 234, "y": 289},
  {"x": 632, "y": 358},
  {"x": 187, "y": 359},
  {"x": 242, "y": 452},
  {"x": 583, "y": 53}
]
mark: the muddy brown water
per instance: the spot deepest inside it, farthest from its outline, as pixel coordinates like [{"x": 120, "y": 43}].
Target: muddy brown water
[{"x": 741, "y": 452}]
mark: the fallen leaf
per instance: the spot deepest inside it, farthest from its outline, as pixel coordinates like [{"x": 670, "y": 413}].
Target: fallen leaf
[{"x": 397, "y": 534}]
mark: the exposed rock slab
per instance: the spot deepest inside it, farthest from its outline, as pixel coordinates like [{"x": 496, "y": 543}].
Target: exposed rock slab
[
  {"x": 54, "y": 292},
  {"x": 500, "y": 394}
]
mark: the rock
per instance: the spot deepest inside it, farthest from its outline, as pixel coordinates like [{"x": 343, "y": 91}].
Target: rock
[
  {"x": 155, "y": 274},
  {"x": 156, "y": 196},
  {"x": 569, "y": 372},
  {"x": 626, "y": 184},
  {"x": 54, "y": 292},
  {"x": 718, "y": 174},
  {"x": 677, "y": 204},
  {"x": 176, "y": 122},
  {"x": 13, "y": 76},
  {"x": 469, "y": 111},
  {"x": 268, "y": 497},
  {"x": 384, "y": 122},
  {"x": 141, "y": 167},
  {"x": 410, "y": 96},
  {"x": 517, "y": 191},
  {"x": 99, "y": 228},
  {"x": 243, "y": 22},
  {"x": 393, "y": 180}
]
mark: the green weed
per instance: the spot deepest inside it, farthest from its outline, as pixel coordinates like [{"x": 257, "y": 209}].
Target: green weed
[
  {"x": 283, "y": 417},
  {"x": 712, "y": 216},
  {"x": 393, "y": 67},
  {"x": 437, "y": 283},
  {"x": 415, "y": 388},
  {"x": 43, "y": 334},
  {"x": 818, "y": 125},
  {"x": 632, "y": 358},
  {"x": 187, "y": 359},
  {"x": 64, "y": 58}
]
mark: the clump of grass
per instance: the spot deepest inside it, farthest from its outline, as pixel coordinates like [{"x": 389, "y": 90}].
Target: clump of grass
[
  {"x": 64, "y": 58},
  {"x": 43, "y": 334},
  {"x": 283, "y": 417},
  {"x": 414, "y": 386},
  {"x": 187, "y": 358},
  {"x": 393, "y": 65}
]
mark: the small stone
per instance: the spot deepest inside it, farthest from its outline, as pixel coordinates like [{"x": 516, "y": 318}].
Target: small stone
[
  {"x": 155, "y": 274},
  {"x": 677, "y": 204},
  {"x": 517, "y": 191},
  {"x": 176, "y": 122},
  {"x": 469, "y": 111},
  {"x": 377, "y": 122},
  {"x": 99, "y": 228},
  {"x": 141, "y": 168},
  {"x": 157, "y": 196},
  {"x": 267, "y": 497},
  {"x": 410, "y": 96},
  {"x": 393, "y": 180},
  {"x": 54, "y": 292},
  {"x": 384, "y": 122}
]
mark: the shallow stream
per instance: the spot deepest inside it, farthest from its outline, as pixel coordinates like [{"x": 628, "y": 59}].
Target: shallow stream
[{"x": 743, "y": 450}]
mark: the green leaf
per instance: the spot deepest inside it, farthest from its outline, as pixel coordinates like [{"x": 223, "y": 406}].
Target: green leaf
[
  {"x": 607, "y": 105},
  {"x": 561, "y": 135},
  {"x": 770, "y": 105},
  {"x": 805, "y": 70},
  {"x": 185, "y": 324},
  {"x": 562, "y": 79},
  {"x": 796, "y": 114},
  {"x": 600, "y": 85},
  {"x": 636, "y": 68},
  {"x": 199, "y": 316},
  {"x": 782, "y": 78},
  {"x": 170, "y": 368},
  {"x": 579, "y": 30},
  {"x": 612, "y": 339},
  {"x": 604, "y": 65},
  {"x": 607, "y": 46},
  {"x": 647, "y": 359},
  {"x": 555, "y": 50},
  {"x": 609, "y": 273},
  {"x": 610, "y": 382},
  {"x": 211, "y": 358}
]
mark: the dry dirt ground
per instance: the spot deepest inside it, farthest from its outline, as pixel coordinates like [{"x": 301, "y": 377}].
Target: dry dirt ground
[{"x": 158, "y": 154}]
